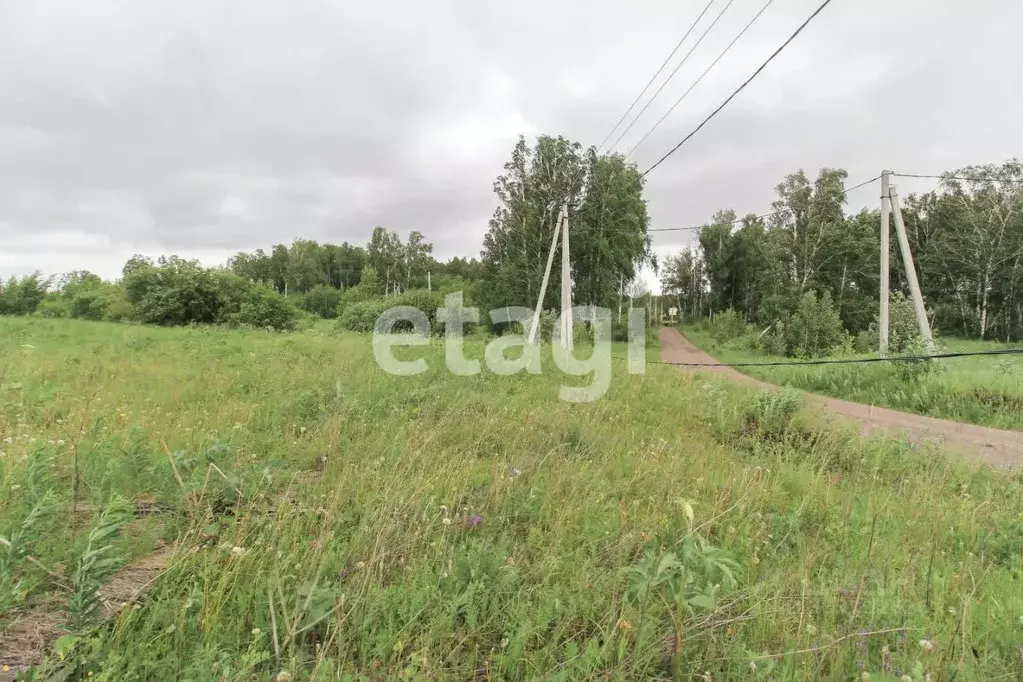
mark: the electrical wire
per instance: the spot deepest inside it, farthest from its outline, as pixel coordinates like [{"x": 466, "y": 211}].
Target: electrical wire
[
  {"x": 702, "y": 75},
  {"x": 740, "y": 88},
  {"x": 672, "y": 74},
  {"x": 953, "y": 177},
  {"x": 654, "y": 77},
  {"x": 849, "y": 361},
  {"x": 737, "y": 221}
]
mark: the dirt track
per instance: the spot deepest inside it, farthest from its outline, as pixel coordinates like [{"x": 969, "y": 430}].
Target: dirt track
[{"x": 1003, "y": 449}]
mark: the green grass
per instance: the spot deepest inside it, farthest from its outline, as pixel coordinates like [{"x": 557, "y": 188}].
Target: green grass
[
  {"x": 978, "y": 390},
  {"x": 479, "y": 528}
]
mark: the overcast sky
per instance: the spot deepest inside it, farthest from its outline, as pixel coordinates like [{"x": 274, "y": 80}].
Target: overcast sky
[{"x": 208, "y": 127}]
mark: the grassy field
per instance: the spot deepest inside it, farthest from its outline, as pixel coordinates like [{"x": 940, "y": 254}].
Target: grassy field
[
  {"x": 978, "y": 390},
  {"x": 334, "y": 522}
]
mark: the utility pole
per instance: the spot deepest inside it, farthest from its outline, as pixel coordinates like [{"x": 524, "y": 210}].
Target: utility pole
[
  {"x": 907, "y": 261},
  {"x": 566, "y": 284},
  {"x": 621, "y": 295},
  {"x": 535, "y": 327},
  {"x": 429, "y": 283},
  {"x": 882, "y": 342}
]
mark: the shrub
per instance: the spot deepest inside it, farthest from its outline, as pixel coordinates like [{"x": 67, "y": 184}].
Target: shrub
[
  {"x": 267, "y": 309},
  {"x": 866, "y": 341},
  {"x": 95, "y": 303},
  {"x": 52, "y": 307},
  {"x": 118, "y": 307},
  {"x": 775, "y": 341},
  {"x": 903, "y": 330},
  {"x": 322, "y": 300},
  {"x": 22, "y": 296},
  {"x": 911, "y": 371},
  {"x": 175, "y": 292},
  {"x": 362, "y": 316},
  {"x": 726, "y": 326},
  {"x": 422, "y": 299},
  {"x": 769, "y": 414},
  {"x": 815, "y": 328}
]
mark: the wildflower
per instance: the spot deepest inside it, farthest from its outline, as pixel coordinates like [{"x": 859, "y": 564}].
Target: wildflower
[
  {"x": 237, "y": 551},
  {"x": 171, "y": 628},
  {"x": 475, "y": 520},
  {"x": 864, "y": 675},
  {"x": 624, "y": 625},
  {"x": 446, "y": 521},
  {"x": 60, "y": 442},
  {"x": 283, "y": 676},
  {"x": 926, "y": 645},
  {"x": 361, "y": 565},
  {"x": 753, "y": 665},
  {"x": 256, "y": 631},
  {"x": 905, "y": 678},
  {"x": 7, "y": 668},
  {"x": 9, "y": 440},
  {"x": 188, "y": 604}
]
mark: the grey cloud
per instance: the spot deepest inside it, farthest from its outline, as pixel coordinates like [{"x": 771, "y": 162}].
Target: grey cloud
[{"x": 205, "y": 128}]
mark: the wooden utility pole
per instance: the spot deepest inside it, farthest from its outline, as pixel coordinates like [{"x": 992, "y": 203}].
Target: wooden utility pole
[
  {"x": 535, "y": 327},
  {"x": 907, "y": 261},
  {"x": 566, "y": 284},
  {"x": 882, "y": 342}
]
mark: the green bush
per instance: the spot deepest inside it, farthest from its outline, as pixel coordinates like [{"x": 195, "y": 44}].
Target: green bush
[
  {"x": 727, "y": 326},
  {"x": 322, "y": 300},
  {"x": 912, "y": 371},
  {"x": 362, "y": 316},
  {"x": 903, "y": 330},
  {"x": 263, "y": 307},
  {"x": 775, "y": 341},
  {"x": 769, "y": 414},
  {"x": 866, "y": 341},
  {"x": 174, "y": 292},
  {"x": 96, "y": 303},
  {"x": 815, "y": 328},
  {"x": 22, "y": 296},
  {"x": 52, "y": 307}
]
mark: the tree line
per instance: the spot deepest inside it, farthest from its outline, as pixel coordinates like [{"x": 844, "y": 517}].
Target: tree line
[
  {"x": 256, "y": 289},
  {"x": 966, "y": 237},
  {"x": 354, "y": 283}
]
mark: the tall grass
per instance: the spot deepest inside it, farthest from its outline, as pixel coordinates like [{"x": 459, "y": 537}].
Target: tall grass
[{"x": 363, "y": 526}]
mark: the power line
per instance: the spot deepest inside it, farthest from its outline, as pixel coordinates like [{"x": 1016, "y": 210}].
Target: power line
[
  {"x": 738, "y": 221},
  {"x": 850, "y": 361},
  {"x": 672, "y": 74},
  {"x": 740, "y": 88},
  {"x": 702, "y": 75},
  {"x": 654, "y": 77},
  {"x": 954, "y": 177}
]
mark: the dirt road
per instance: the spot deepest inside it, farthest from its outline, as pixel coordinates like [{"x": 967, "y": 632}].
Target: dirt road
[{"x": 1003, "y": 449}]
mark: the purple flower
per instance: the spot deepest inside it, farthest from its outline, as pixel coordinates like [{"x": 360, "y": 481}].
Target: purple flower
[{"x": 475, "y": 521}]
